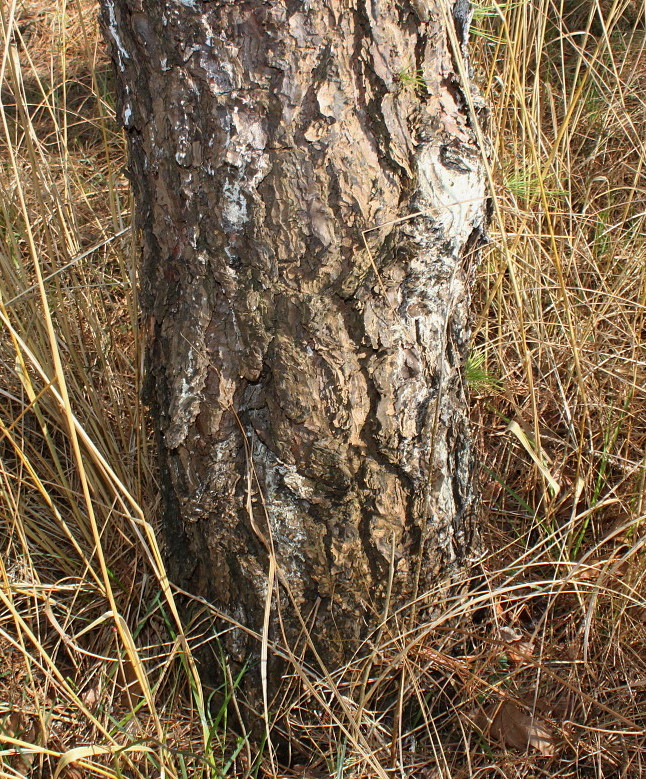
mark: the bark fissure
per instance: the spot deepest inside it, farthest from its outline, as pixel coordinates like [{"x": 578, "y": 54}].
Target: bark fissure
[{"x": 264, "y": 139}]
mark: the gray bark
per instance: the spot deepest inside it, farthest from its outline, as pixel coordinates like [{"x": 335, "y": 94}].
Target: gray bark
[{"x": 307, "y": 391}]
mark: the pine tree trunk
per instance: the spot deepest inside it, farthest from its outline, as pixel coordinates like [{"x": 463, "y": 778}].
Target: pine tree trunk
[{"x": 305, "y": 377}]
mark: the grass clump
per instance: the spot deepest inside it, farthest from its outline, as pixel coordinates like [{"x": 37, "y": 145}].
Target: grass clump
[
  {"x": 537, "y": 668},
  {"x": 412, "y": 79}
]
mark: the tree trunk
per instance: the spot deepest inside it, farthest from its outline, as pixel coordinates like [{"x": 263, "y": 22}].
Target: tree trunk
[{"x": 305, "y": 376}]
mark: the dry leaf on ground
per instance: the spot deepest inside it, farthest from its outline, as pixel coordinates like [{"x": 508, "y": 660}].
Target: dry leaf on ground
[
  {"x": 511, "y": 725},
  {"x": 518, "y": 650}
]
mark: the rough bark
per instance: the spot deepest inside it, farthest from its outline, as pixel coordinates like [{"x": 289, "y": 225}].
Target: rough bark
[{"x": 307, "y": 391}]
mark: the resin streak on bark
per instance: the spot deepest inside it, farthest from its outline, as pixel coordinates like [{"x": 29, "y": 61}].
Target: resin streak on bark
[{"x": 264, "y": 138}]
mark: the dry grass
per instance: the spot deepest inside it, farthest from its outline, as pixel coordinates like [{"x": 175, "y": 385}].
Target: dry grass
[{"x": 539, "y": 669}]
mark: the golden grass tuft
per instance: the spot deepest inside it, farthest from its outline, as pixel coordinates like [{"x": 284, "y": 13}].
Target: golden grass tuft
[{"x": 539, "y": 667}]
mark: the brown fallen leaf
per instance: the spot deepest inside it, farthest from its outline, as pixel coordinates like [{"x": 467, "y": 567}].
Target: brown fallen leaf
[
  {"x": 520, "y": 651},
  {"x": 517, "y": 649},
  {"x": 91, "y": 697},
  {"x": 509, "y": 635},
  {"x": 511, "y": 725},
  {"x": 21, "y": 726}
]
